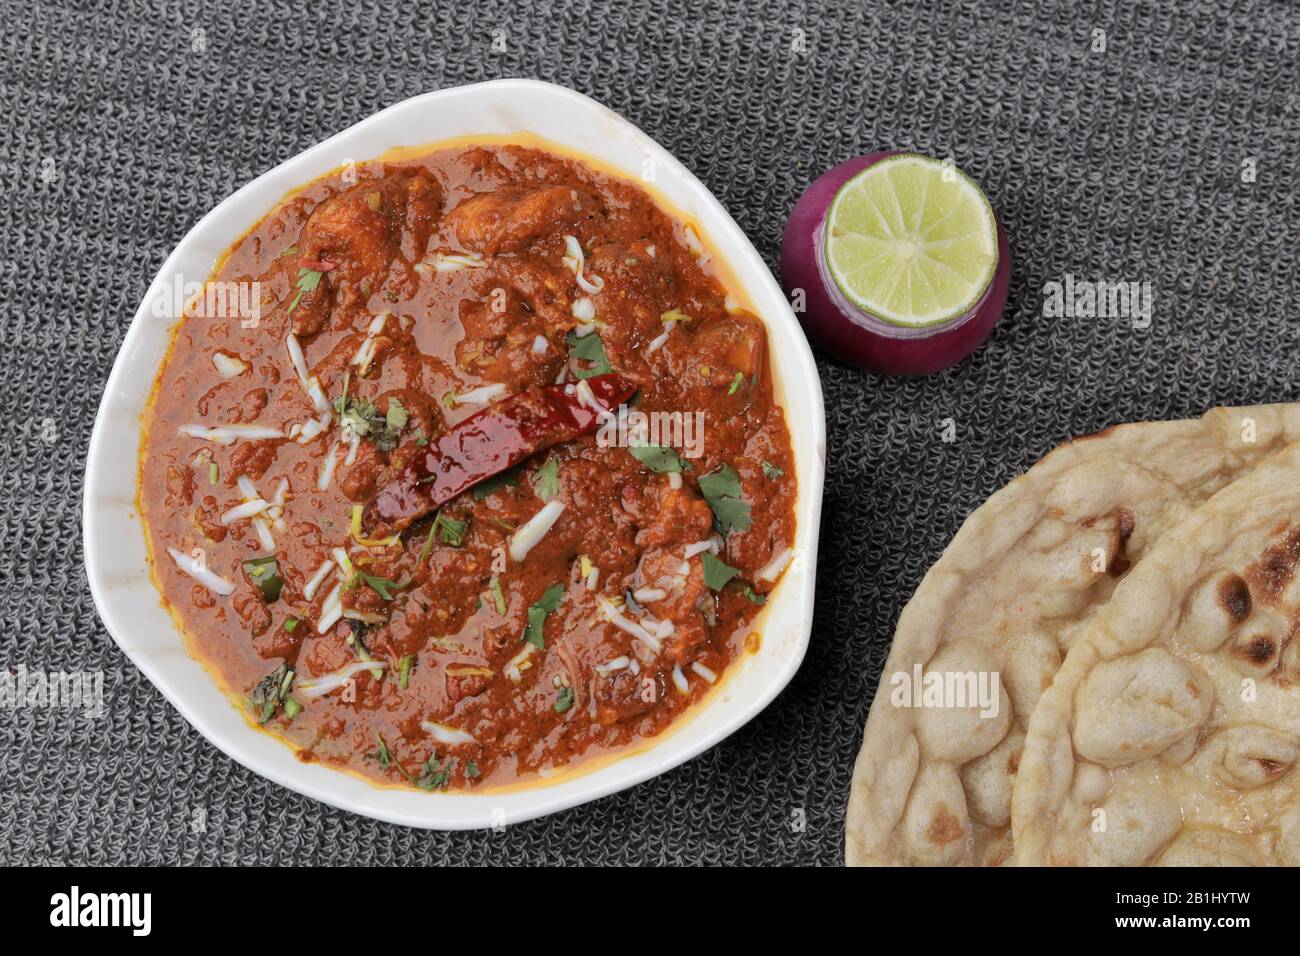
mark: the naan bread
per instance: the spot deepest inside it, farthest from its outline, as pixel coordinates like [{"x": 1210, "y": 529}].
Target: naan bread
[
  {"x": 1171, "y": 732},
  {"x": 932, "y": 785}
]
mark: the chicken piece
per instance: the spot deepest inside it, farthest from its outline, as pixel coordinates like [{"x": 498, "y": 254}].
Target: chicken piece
[
  {"x": 423, "y": 210},
  {"x": 352, "y": 238},
  {"x": 682, "y": 518},
  {"x": 541, "y": 287},
  {"x": 359, "y": 480},
  {"x": 511, "y": 219},
  {"x": 252, "y": 612},
  {"x": 358, "y": 230},
  {"x": 636, "y": 289},
  {"x": 501, "y": 346},
  {"x": 721, "y": 349},
  {"x": 274, "y": 642},
  {"x": 684, "y": 594},
  {"x": 309, "y": 312},
  {"x": 207, "y": 518},
  {"x": 323, "y": 654},
  {"x": 423, "y": 416},
  {"x": 180, "y": 488},
  {"x": 623, "y": 695},
  {"x": 252, "y": 458},
  {"x": 451, "y": 592}
]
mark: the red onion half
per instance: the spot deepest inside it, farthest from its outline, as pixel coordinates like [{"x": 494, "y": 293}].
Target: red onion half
[{"x": 857, "y": 336}]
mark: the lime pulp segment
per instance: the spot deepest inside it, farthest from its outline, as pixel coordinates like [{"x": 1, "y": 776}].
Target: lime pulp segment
[{"x": 912, "y": 241}]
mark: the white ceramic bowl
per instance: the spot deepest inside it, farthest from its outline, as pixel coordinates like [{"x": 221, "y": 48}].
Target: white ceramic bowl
[{"x": 116, "y": 565}]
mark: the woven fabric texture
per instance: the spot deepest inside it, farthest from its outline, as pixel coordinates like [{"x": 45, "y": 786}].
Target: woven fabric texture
[{"x": 1119, "y": 141}]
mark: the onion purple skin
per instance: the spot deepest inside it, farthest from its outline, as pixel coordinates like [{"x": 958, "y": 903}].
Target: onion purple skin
[{"x": 855, "y": 336}]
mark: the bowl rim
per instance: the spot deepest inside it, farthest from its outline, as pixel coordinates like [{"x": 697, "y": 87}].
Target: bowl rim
[{"x": 457, "y": 811}]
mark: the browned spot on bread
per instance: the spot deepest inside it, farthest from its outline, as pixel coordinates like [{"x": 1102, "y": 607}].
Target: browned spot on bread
[
  {"x": 1258, "y": 649},
  {"x": 1123, "y": 525},
  {"x": 1275, "y": 568},
  {"x": 1013, "y": 763},
  {"x": 1101, "y": 434},
  {"x": 1192, "y": 689},
  {"x": 1272, "y": 768},
  {"x": 1002, "y": 855},
  {"x": 1287, "y": 669},
  {"x": 944, "y": 827},
  {"x": 1234, "y": 598}
]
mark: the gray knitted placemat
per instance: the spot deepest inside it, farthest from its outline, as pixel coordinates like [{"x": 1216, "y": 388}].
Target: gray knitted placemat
[{"x": 1118, "y": 140}]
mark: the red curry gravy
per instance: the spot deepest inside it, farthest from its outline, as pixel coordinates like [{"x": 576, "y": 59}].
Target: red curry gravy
[{"x": 569, "y": 598}]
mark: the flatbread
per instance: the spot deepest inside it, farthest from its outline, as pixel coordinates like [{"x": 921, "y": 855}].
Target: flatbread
[
  {"x": 1171, "y": 732},
  {"x": 932, "y": 785}
]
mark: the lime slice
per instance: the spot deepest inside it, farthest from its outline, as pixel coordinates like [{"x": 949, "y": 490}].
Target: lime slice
[{"x": 911, "y": 240}]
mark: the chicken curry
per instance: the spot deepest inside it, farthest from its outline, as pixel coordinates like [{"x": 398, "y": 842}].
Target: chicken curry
[{"x": 485, "y": 478}]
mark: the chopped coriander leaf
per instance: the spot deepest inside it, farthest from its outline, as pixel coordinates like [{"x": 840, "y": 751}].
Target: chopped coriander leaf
[
  {"x": 552, "y": 598},
  {"x": 471, "y": 770},
  {"x": 721, "y": 488},
  {"x": 381, "y": 586},
  {"x": 546, "y": 480},
  {"x": 565, "y": 700},
  {"x": 396, "y": 417},
  {"x": 716, "y": 571},
  {"x": 721, "y": 482},
  {"x": 387, "y": 435},
  {"x": 404, "y": 670},
  {"x": 383, "y": 754},
  {"x": 549, "y": 602},
  {"x": 264, "y": 574},
  {"x": 486, "y": 487},
  {"x": 660, "y": 459},
  {"x": 308, "y": 280},
  {"x": 270, "y": 693},
  {"x": 755, "y": 596},
  {"x": 735, "y": 383},
  {"x": 428, "y": 541},
  {"x": 356, "y": 641},
  {"x": 290, "y": 624},
  {"x": 361, "y": 417},
  {"x": 730, "y": 514},
  {"x": 435, "y": 775},
  {"x": 498, "y": 596},
  {"x": 450, "y": 530},
  {"x": 588, "y": 348},
  {"x": 356, "y": 414},
  {"x": 771, "y": 471}
]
